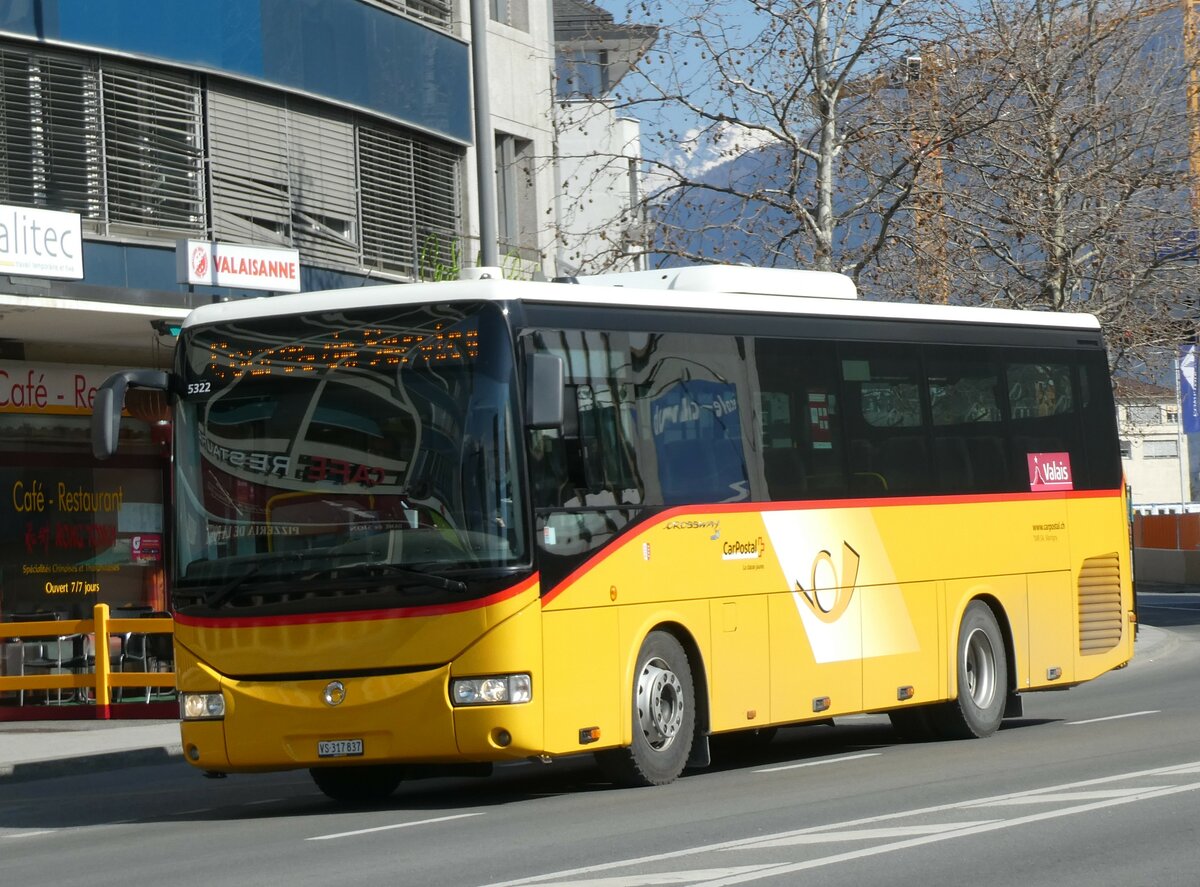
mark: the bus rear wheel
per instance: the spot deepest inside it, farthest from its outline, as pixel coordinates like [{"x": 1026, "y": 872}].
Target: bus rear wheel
[
  {"x": 978, "y": 708},
  {"x": 664, "y": 717},
  {"x": 358, "y": 785}
]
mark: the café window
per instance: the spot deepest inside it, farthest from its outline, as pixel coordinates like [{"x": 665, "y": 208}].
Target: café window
[{"x": 75, "y": 532}]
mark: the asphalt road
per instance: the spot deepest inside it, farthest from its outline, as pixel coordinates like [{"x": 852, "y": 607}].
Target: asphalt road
[{"x": 1096, "y": 786}]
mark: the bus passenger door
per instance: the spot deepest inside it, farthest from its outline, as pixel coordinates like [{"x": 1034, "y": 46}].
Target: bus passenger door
[{"x": 740, "y": 679}]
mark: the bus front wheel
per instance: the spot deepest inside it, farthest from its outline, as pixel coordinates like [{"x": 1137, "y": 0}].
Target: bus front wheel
[
  {"x": 358, "y": 785},
  {"x": 978, "y": 708},
  {"x": 664, "y": 717}
]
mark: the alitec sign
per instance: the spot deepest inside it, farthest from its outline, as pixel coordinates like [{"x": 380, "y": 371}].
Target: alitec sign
[
  {"x": 40, "y": 243},
  {"x": 208, "y": 263}
]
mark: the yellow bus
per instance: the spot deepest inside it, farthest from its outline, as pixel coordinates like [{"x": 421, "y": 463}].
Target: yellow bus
[{"x": 487, "y": 520}]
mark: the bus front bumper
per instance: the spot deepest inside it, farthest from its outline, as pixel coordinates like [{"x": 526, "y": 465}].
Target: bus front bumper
[{"x": 379, "y": 719}]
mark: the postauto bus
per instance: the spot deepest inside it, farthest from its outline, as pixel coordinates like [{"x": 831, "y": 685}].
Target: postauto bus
[{"x": 488, "y": 520}]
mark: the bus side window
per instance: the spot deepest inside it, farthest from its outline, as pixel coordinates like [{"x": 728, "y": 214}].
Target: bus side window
[
  {"x": 800, "y": 419},
  {"x": 964, "y": 390},
  {"x": 889, "y": 447},
  {"x": 1100, "y": 436},
  {"x": 1045, "y": 418},
  {"x": 593, "y": 460}
]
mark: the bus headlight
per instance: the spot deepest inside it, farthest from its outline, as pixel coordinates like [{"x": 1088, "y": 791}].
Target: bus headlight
[
  {"x": 504, "y": 689},
  {"x": 201, "y": 706}
]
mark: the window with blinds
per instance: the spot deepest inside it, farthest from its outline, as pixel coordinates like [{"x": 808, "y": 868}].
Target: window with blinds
[
  {"x": 50, "y": 140},
  {"x": 410, "y": 203},
  {"x": 438, "y": 13},
  {"x": 1144, "y": 414},
  {"x": 247, "y": 142},
  {"x": 322, "y": 185},
  {"x": 1160, "y": 449},
  {"x": 129, "y": 148},
  {"x": 154, "y": 152}
]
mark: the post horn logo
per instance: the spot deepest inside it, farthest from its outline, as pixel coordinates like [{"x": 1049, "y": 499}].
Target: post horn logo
[{"x": 829, "y": 603}]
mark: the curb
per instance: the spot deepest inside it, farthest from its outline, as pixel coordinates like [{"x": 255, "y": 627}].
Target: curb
[{"x": 29, "y": 771}]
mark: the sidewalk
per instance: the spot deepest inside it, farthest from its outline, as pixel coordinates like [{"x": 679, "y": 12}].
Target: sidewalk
[{"x": 44, "y": 749}]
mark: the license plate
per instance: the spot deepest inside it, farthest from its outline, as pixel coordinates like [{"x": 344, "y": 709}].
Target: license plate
[{"x": 339, "y": 748}]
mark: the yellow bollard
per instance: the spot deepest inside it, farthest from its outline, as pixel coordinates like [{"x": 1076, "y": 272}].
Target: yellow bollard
[{"x": 103, "y": 690}]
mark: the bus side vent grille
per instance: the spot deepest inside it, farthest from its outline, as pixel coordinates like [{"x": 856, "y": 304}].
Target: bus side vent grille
[{"x": 1100, "y": 621}]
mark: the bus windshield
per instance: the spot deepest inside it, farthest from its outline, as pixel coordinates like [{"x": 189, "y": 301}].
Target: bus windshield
[{"x": 346, "y": 453}]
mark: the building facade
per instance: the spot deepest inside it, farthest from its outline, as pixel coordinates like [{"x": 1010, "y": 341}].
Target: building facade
[
  {"x": 601, "y": 217},
  {"x": 1152, "y": 446},
  {"x": 154, "y": 157}
]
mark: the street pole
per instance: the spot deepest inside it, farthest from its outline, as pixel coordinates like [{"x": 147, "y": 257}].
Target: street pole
[
  {"x": 1181, "y": 443},
  {"x": 485, "y": 143}
]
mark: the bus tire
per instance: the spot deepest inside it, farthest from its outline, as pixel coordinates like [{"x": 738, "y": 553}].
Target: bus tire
[
  {"x": 978, "y": 708},
  {"x": 358, "y": 785},
  {"x": 664, "y": 717}
]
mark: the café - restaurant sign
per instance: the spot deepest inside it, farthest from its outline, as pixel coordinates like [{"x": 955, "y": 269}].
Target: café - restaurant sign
[
  {"x": 48, "y": 388},
  {"x": 205, "y": 263},
  {"x": 40, "y": 243}
]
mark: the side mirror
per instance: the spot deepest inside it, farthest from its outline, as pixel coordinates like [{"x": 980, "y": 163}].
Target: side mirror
[
  {"x": 544, "y": 391},
  {"x": 110, "y": 400}
]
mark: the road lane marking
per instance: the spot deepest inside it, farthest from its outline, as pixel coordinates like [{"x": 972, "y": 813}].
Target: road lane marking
[
  {"x": 989, "y": 825},
  {"x": 1132, "y": 714},
  {"x": 867, "y": 834},
  {"x": 1059, "y": 797},
  {"x": 48, "y": 831},
  {"x": 384, "y": 828},
  {"x": 872, "y": 754},
  {"x": 652, "y": 879}
]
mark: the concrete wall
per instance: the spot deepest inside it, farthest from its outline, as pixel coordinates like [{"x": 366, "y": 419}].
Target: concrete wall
[{"x": 1166, "y": 565}]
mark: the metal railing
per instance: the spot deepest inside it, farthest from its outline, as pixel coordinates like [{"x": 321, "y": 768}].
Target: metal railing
[
  {"x": 100, "y": 678},
  {"x": 1180, "y": 532}
]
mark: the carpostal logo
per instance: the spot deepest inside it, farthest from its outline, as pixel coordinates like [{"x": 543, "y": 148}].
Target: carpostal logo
[
  {"x": 744, "y": 550},
  {"x": 1050, "y": 471}
]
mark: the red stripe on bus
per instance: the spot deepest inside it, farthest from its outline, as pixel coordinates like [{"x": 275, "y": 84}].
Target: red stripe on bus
[
  {"x": 358, "y": 615},
  {"x": 812, "y": 504}
]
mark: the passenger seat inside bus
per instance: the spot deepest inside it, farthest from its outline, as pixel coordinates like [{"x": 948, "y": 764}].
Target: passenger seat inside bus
[
  {"x": 787, "y": 477},
  {"x": 953, "y": 464},
  {"x": 903, "y": 461}
]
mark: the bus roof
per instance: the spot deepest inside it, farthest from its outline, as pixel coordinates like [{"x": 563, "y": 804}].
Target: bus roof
[
  {"x": 738, "y": 279},
  {"x": 667, "y": 294}
]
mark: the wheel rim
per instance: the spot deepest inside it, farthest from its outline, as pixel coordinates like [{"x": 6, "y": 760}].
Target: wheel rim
[
  {"x": 659, "y": 704},
  {"x": 979, "y": 661}
]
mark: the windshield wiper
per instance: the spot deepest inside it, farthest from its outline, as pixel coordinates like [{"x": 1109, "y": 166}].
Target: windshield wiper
[
  {"x": 229, "y": 589},
  {"x": 411, "y": 573},
  {"x": 363, "y": 569},
  {"x": 226, "y": 591}
]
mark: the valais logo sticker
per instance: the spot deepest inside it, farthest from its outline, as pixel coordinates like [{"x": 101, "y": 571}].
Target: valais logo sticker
[{"x": 1050, "y": 471}]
